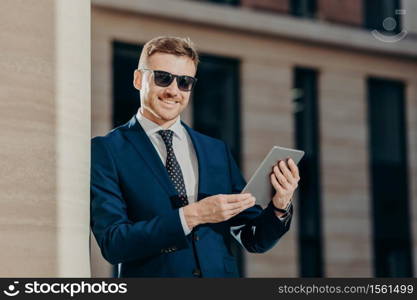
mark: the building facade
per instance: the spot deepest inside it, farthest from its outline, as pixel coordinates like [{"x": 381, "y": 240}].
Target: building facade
[{"x": 316, "y": 75}]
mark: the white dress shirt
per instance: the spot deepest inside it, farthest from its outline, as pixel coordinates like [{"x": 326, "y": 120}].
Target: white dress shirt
[{"x": 184, "y": 152}]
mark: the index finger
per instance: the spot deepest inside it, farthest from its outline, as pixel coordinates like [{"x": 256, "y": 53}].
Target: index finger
[
  {"x": 293, "y": 168},
  {"x": 237, "y": 197}
]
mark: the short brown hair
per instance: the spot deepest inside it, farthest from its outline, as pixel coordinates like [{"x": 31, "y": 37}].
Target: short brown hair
[{"x": 171, "y": 45}]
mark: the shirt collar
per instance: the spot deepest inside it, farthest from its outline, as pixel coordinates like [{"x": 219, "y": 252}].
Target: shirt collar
[{"x": 152, "y": 128}]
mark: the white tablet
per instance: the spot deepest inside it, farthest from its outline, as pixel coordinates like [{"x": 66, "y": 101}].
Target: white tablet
[{"x": 260, "y": 183}]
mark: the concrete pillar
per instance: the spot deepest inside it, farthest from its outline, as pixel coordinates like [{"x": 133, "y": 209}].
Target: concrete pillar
[{"x": 45, "y": 138}]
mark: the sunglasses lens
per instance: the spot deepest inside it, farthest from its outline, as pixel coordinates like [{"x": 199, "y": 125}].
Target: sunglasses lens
[
  {"x": 162, "y": 78},
  {"x": 185, "y": 83}
]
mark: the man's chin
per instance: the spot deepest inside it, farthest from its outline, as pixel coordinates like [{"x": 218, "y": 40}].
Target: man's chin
[{"x": 168, "y": 116}]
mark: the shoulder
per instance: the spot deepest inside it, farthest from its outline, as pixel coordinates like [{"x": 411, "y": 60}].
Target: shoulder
[{"x": 113, "y": 137}]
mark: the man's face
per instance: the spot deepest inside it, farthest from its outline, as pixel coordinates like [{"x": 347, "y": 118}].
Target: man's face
[{"x": 163, "y": 104}]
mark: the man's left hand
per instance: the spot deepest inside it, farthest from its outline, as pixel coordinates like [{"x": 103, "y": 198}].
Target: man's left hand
[{"x": 284, "y": 179}]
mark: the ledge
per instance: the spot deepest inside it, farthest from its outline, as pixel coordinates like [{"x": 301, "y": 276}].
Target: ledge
[{"x": 242, "y": 19}]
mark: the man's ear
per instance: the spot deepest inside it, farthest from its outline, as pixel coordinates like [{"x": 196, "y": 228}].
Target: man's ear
[{"x": 137, "y": 79}]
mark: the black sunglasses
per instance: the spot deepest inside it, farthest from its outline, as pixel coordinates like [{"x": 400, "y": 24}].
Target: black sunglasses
[{"x": 164, "y": 79}]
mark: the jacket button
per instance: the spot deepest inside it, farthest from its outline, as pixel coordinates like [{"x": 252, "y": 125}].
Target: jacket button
[
  {"x": 196, "y": 237},
  {"x": 197, "y": 272}
]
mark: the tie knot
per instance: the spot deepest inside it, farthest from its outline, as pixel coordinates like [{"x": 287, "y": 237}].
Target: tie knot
[{"x": 166, "y": 137}]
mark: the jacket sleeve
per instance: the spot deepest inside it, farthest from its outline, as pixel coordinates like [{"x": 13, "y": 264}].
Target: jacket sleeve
[
  {"x": 119, "y": 238},
  {"x": 256, "y": 229}
]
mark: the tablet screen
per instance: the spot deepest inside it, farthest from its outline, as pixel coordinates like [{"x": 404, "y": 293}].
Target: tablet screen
[{"x": 259, "y": 185}]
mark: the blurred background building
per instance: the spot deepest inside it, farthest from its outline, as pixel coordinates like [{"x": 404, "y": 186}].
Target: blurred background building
[{"x": 337, "y": 79}]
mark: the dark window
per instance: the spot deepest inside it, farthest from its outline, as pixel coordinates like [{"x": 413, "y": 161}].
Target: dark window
[
  {"x": 389, "y": 180},
  {"x": 216, "y": 109},
  {"x": 126, "y": 99},
  {"x": 227, "y": 2},
  {"x": 304, "y": 8},
  {"x": 309, "y": 192},
  {"x": 383, "y": 15}
]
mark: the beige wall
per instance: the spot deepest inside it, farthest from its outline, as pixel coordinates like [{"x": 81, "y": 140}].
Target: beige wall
[
  {"x": 346, "y": 199},
  {"x": 45, "y": 121},
  {"x": 410, "y": 20},
  {"x": 267, "y": 64}
]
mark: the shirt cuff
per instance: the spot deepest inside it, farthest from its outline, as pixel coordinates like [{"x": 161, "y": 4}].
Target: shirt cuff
[
  {"x": 283, "y": 217},
  {"x": 187, "y": 230},
  {"x": 286, "y": 215}
]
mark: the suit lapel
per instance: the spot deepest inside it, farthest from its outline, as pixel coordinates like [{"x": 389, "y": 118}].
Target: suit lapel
[
  {"x": 138, "y": 138},
  {"x": 202, "y": 162}
]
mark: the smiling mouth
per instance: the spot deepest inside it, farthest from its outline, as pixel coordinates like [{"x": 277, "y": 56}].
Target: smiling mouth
[{"x": 170, "y": 102}]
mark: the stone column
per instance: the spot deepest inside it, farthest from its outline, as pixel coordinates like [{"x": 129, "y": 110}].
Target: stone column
[{"x": 45, "y": 138}]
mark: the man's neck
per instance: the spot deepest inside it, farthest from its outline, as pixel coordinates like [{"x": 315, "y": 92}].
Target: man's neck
[{"x": 151, "y": 117}]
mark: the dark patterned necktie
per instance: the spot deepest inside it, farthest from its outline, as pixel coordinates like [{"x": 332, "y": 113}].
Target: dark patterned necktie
[{"x": 174, "y": 169}]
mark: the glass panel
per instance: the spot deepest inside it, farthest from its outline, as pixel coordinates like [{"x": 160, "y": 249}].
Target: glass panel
[
  {"x": 309, "y": 194},
  {"x": 304, "y": 8},
  {"x": 389, "y": 179}
]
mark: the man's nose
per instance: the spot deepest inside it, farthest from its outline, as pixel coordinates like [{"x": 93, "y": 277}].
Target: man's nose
[{"x": 172, "y": 90}]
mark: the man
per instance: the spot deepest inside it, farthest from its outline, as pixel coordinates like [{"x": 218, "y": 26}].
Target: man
[{"x": 165, "y": 199}]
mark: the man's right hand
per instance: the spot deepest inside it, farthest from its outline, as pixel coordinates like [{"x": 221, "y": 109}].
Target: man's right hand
[{"x": 216, "y": 208}]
